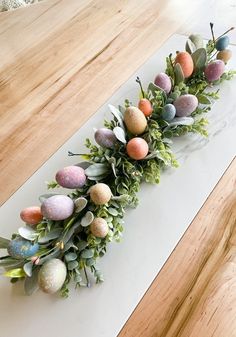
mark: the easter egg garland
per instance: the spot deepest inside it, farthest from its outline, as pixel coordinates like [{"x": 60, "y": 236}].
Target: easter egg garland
[{"x": 63, "y": 238}]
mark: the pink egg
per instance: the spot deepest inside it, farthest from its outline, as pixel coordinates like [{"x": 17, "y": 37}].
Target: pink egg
[
  {"x": 71, "y": 177},
  {"x": 163, "y": 81},
  {"x": 214, "y": 70},
  {"x": 58, "y": 207}
]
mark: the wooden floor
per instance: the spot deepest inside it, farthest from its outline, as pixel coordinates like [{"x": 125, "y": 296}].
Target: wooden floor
[{"x": 60, "y": 61}]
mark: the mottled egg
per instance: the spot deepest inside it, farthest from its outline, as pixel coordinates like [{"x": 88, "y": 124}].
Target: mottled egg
[
  {"x": 224, "y": 55},
  {"x": 100, "y": 194},
  {"x": 186, "y": 62},
  {"x": 71, "y": 177},
  {"x": 214, "y": 70},
  {"x": 137, "y": 148},
  {"x": 52, "y": 276},
  {"x": 135, "y": 120},
  {"x": 163, "y": 81},
  {"x": 185, "y": 105},
  {"x": 168, "y": 112},
  {"x": 22, "y": 249},
  {"x": 57, "y": 207},
  {"x": 145, "y": 106},
  {"x": 222, "y": 43},
  {"x": 105, "y": 137},
  {"x": 99, "y": 228},
  {"x": 31, "y": 215}
]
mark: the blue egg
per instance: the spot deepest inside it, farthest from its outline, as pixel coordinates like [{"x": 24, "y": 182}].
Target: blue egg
[
  {"x": 222, "y": 43},
  {"x": 22, "y": 249},
  {"x": 168, "y": 112}
]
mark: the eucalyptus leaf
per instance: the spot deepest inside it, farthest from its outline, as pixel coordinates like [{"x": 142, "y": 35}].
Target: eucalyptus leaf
[
  {"x": 120, "y": 134},
  {"x": 82, "y": 245},
  {"x": 87, "y": 219},
  {"x": 10, "y": 262},
  {"x": 4, "y": 243},
  {"x": 153, "y": 88},
  {"x": 66, "y": 237},
  {"x": 121, "y": 109},
  {"x": 113, "y": 211},
  {"x": 70, "y": 257},
  {"x": 72, "y": 265},
  {"x": 90, "y": 262},
  {"x": 180, "y": 121},
  {"x": 199, "y": 59},
  {"x": 113, "y": 166},
  {"x": 190, "y": 46},
  {"x": 97, "y": 169},
  {"x": 80, "y": 204},
  {"x": 28, "y": 268},
  {"x": 179, "y": 75},
  {"x": 56, "y": 253},
  {"x": 27, "y": 233},
  {"x": 117, "y": 114},
  {"x": 31, "y": 283},
  {"x": 84, "y": 164},
  {"x": 87, "y": 254},
  {"x": 203, "y": 99},
  {"x": 98, "y": 178},
  {"x": 53, "y": 234}
]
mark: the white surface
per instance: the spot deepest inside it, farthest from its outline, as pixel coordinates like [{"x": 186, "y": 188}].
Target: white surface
[{"x": 151, "y": 231}]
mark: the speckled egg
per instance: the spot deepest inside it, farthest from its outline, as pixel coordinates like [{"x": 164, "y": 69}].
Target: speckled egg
[
  {"x": 105, "y": 137},
  {"x": 214, "y": 70},
  {"x": 71, "y": 177},
  {"x": 57, "y": 207},
  {"x": 168, "y": 112},
  {"x": 224, "y": 55},
  {"x": 51, "y": 276},
  {"x": 185, "y": 105},
  {"x": 186, "y": 62},
  {"x": 163, "y": 81},
  {"x": 137, "y": 148},
  {"x": 31, "y": 215},
  {"x": 145, "y": 106},
  {"x": 222, "y": 43},
  {"x": 100, "y": 194},
  {"x": 22, "y": 249},
  {"x": 135, "y": 120},
  {"x": 99, "y": 228}
]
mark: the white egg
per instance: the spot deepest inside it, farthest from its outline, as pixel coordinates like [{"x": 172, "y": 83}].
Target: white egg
[{"x": 52, "y": 275}]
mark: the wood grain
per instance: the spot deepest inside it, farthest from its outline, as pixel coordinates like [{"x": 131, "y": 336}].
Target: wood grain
[{"x": 194, "y": 295}]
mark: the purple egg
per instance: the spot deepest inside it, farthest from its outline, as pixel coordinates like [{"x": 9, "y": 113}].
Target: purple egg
[
  {"x": 163, "y": 81},
  {"x": 71, "y": 177},
  {"x": 185, "y": 105},
  {"x": 105, "y": 137},
  {"x": 214, "y": 70},
  {"x": 57, "y": 207}
]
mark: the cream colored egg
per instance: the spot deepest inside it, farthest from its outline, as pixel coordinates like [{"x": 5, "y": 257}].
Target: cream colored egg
[
  {"x": 51, "y": 276},
  {"x": 135, "y": 120},
  {"x": 99, "y": 228},
  {"x": 100, "y": 194}
]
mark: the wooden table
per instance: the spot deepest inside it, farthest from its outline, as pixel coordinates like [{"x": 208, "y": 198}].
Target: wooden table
[{"x": 60, "y": 61}]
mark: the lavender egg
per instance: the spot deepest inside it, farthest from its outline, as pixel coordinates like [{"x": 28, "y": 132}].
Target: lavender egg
[
  {"x": 214, "y": 70},
  {"x": 57, "y": 207},
  {"x": 71, "y": 177},
  {"x": 163, "y": 81},
  {"x": 168, "y": 112},
  {"x": 105, "y": 137},
  {"x": 51, "y": 276},
  {"x": 22, "y": 249},
  {"x": 185, "y": 105}
]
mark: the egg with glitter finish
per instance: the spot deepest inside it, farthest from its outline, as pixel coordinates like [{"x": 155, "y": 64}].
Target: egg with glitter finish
[
  {"x": 57, "y": 207},
  {"x": 71, "y": 177},
  {"x": 185, "y": 105},
  {"x": 31, "y": 215},
  {"x": 22, "y": 249},
  {"x": 214, "y": 70},
  {"x": 52, "y": 276},
  {"x": 163, "y": 81},
  {"x": 135, "y": 120},
  {"x": 137, "y": 148},
  {"x": 222, "y": 43},
  {"x": 186, "y": 62},
  {"x": 168, "y": 112},
  {"x": 105, "y": 138}
]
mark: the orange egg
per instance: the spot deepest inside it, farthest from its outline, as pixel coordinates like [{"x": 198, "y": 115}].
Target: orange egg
[
  {"x": 31, "y": 215},
  {"x": 186, "y": 62},
  {"x": 145, "y": 106},
  {"x": 137, "y": 148}
]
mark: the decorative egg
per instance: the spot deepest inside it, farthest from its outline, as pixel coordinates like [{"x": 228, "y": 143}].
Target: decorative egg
[
  {"x": 22, "y": 249},
  {"x": 57, "y": 207},
  {"x": 71, "y": 177},
  {"x": 186, "y": 62},
  {"x": 52, "y": 276},
  {"x": 100, "y": 194},
  {"x": 31, "y": 215},
  {"x": 168, "y": 112},
  {"x": 163, "y": 81},
  {"x": 99, "y": 228},
  {"x": 222, "y": 43},
  {"x": 137, "y": 148},
  {"x": 185, "y": 105},
  {"x": 105, "y": 137},
  {"x": 135, "y": 120},
  {"x": 224, "y": 55},
  {"x": 145, "y": 106},
  {"x": 214, "y": 70}
]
